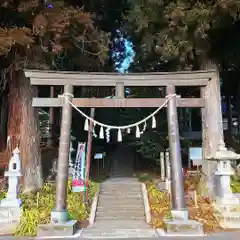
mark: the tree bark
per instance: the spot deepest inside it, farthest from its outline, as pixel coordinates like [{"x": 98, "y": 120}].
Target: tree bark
[
  {"x": 23, "y": 130},
  {"x": 3, "y": 121}
]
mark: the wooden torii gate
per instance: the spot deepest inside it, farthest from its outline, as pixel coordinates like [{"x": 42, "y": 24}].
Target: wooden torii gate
[{"x": 209, "y": 102}]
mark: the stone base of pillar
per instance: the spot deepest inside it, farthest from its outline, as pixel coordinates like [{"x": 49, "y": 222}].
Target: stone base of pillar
[
  {"x": 11, "y": 202},
  {"x": 227, "y": 200},
  {"x": 59, "y": 216},
  {"x": 180, "y": 215},
  {"x": 66, "y": 229},
  {"x": 183, "y": 228},
  {"x": 9, "y": 220},
  {"x": 227, "y": 212},
  {"x": 228, "y": 220}
]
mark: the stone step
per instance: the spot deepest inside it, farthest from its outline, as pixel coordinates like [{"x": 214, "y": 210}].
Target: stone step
[
  {"x": 121, "y": 180},
  {"x": 110, "y": 211},
  {"x": 118, "y": 207},
  {"x": 117, "y": 203},
  {"x": 125, "y": 187},
  {"x": 121, "y": 185},
  {"x": 119, "y": 224},
  {"x": 118, "y": 217},
  {"x": 120, "y": 198},
  {"x": 121, "y": 175},
  {"x": 119, "y": 233},
  {"x": 116, "y": 187},
  {"x": 120, "y": 191},
  {"x": 121, "y": 194}
]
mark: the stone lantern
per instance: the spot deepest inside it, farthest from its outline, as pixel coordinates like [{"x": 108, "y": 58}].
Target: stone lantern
[
  {"x": 223, "y": 174},
  {"x": 13, "y": 174}
]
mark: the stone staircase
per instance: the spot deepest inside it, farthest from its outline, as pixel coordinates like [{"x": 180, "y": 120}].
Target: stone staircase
[
  {"x": 120, "y": 211},
  {"x": 120, "y": 200}
]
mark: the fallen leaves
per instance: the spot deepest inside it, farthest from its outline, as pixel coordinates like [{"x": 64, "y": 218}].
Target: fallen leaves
[{"x": 160, "y": 206}]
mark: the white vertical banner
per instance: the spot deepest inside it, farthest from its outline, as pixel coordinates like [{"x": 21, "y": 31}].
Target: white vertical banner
[{"x": 78, "y": 184}]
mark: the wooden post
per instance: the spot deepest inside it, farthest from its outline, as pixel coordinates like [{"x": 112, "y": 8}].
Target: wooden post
[
  {"x": 89, "y": 151},
  {"x": 60, "y": 215},
  {"x": 168, "y": 172},
  {"x": 51, "y": 120},
  {"x": 162, "y": 166},
  {"x": 120, "y": 92},
  {"x": 177, "y": 183},
  {"x": 212, "y": 130},
  {"x": 168, "y": 166}
]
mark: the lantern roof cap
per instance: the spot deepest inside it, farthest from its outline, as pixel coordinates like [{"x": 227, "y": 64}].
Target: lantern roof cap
[{"x": 224, "y": 154}]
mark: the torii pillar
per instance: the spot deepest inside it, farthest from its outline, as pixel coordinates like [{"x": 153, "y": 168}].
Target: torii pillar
[{"x": 212, "y": 130}]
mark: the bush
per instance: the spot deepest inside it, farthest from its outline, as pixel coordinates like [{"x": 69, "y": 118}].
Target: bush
[
  {"x": 145, "y": 178},
  {"x": 160, "y": 206},
  {"x": 235, "y": 186},
  {"x": 37, "y": 207}
]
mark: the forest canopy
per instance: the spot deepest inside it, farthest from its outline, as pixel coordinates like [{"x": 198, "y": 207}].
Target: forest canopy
[
  {"x": 38, "y": 35},
  {"x": 81, "y": 35}
]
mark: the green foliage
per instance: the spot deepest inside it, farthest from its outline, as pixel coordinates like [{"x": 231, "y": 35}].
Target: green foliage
[
  {"x": 184, "y": 30},
  {"x": 235, "y": 186},
  {"x": 37, "y": 207},
  {"x": 2, "y": 195},
  {"x": 145, "y": 178},
  {"x": 61, "y": 37}
]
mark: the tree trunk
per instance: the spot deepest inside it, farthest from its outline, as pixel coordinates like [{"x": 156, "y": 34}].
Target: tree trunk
[
  {"x": 3, "y": 121},
  {"x": 23, "y": 130}
]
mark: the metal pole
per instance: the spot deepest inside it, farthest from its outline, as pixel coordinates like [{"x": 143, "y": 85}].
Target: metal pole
[
  {"x": 177, "y": 184},
  {"x": 60, "y": 215}
]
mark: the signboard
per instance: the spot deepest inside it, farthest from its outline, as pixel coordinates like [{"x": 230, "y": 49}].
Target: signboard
[
  {"x": 195, "y": 155},
  {"x": 78, "y": 184},
  {"x": 98, "y": 156}
]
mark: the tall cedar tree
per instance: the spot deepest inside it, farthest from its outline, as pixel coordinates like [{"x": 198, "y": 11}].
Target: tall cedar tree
[
  {"x": 35, "y": 36},
  {"x": 186, "y": 34},
  {"x": 186, "y": 31}
]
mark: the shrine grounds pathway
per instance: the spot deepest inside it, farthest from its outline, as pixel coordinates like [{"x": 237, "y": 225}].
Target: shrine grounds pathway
[{"x": 220, "y": 236}]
